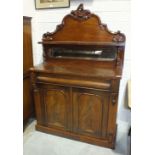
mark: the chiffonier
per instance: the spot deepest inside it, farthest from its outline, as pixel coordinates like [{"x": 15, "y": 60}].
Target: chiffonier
[{"x": 76, "y": 87}]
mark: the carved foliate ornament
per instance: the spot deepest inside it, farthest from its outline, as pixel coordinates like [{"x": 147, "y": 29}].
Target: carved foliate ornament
[
  {"x": 118, "y": 37},
  {"x": 80, "y": 13}
]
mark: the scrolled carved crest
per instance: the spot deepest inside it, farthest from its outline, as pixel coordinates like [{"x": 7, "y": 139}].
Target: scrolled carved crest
[{"x": 80, "y": 13}]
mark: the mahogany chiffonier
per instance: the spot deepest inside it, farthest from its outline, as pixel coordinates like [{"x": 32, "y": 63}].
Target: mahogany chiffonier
[{"x": 76, "y": 87}]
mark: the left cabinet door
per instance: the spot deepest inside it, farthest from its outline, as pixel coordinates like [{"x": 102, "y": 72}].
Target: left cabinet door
[{"x": 55, "y": 106}]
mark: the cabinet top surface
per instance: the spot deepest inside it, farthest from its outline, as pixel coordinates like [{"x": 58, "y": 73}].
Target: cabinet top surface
[{"x": 72, "y": 68}]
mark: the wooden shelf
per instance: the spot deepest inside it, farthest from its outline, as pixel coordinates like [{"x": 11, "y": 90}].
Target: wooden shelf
[{"x": 78, "y": 43}]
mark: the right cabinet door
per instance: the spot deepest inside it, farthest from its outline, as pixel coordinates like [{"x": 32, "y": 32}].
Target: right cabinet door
[{"x": 90, "y": 112}]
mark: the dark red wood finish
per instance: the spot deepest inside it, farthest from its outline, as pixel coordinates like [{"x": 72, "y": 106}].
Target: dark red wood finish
[{"x": 77, "y": 98}]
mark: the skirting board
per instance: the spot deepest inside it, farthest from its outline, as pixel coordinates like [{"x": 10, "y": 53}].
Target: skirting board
[{"x": 82, "y": 138}]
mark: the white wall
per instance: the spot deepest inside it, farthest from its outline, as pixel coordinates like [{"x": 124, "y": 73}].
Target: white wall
[{"x": 115, "y": 13}]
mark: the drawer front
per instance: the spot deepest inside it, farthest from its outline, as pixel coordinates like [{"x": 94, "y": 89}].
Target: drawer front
[{"x": 104, "y": 84}]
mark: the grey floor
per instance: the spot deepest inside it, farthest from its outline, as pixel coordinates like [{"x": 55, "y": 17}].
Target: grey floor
[{"x": 38, "y": 143}]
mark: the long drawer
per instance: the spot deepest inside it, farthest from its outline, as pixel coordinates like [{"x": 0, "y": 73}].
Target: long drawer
[{"x": 75, "y": 82}]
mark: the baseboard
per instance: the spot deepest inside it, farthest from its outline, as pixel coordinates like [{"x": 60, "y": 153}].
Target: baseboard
[{"x": 75, "y": 136}]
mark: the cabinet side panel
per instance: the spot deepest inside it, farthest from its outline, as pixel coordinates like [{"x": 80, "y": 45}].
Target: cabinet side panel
[
  {"x": 105, "y": 111},
  {"x": 28, "y": 102},
  {"x": 38, "y": 107},
  {"x": 27, "y": 99},
  {"x": 112, "y": 117},
  {"x": 27, "y": 45}
]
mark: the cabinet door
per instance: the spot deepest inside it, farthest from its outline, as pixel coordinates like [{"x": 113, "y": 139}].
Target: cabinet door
[
  {"x": 90, "y": 112},
  {"x": 57, "y": 109}
]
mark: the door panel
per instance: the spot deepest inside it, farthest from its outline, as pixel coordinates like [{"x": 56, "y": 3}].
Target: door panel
[
  {"x": 57, "y": 109},
  {"x": 90, "y": 112}
]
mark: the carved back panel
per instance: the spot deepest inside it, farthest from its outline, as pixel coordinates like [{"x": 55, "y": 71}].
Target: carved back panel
[
  {"x": 84, "y": 27},
  {"x": 83, "y": 30}
]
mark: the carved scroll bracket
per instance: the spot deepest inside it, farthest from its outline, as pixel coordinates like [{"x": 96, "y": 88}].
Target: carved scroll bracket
[
  {"x": 47, "y": 36},
  {"x": 118, "y": 37}
]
